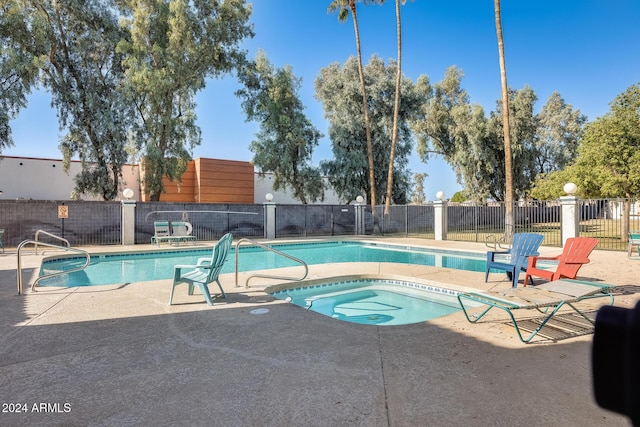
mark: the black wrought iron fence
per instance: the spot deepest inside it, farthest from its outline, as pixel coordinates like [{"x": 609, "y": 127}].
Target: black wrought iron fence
[
  {"x": 481, "y": 222},
  {"x": 314, "y": 220},
  {"x": 403, "y": 220},
  {"x": 99, "y": 223},
  {"x": 609, "y": 221}
]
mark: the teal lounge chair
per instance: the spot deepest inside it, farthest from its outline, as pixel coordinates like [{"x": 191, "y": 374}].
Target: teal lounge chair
[
  {"x": 515, "y": 259},
  {"x": 1, "y": 236},
  {"x": 548, "y": 296},
  {"x": 634, "y": 240},
  {"x": 204, "y": 272},
  {"x": 182, "y": 232},
  {"x": 161, "y": 232}
]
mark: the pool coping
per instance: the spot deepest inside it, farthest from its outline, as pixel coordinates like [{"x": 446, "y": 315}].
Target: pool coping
[{"x": 420, "y": 283}]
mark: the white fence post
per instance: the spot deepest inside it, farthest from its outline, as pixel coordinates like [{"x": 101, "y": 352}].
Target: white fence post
[
  {"x": 440, "y": 219},
  {"x": 270, "y": 220},
  {"x": 359, "y": 211},
  {"x": 570, "y": 226},
  {"x": 128, "y": 235}
]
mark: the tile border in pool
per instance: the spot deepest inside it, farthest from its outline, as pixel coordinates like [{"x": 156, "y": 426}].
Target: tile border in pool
[
  {"x": 206, "y": 249},
  {"x": 402, "y": 281}
]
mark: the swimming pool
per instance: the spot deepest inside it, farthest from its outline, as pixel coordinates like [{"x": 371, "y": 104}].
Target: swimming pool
[
  {"x": 158, "y": 265},
  {"x": 372, "y": 300}
]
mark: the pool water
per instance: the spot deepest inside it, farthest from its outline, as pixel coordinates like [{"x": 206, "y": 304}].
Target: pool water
[
  {"x": 149, "y": 266},
  {"x": 374, "y": 301}
]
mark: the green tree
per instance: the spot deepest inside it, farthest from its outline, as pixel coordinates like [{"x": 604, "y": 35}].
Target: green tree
[
  {"x": 175, "y": 46},
  {"x": 418, "y": 196},
  {"x": 523, "y": 128},
  {"x": 608, "y": 160},
  {"x": 285, "y": 142},
  {"x": 559, "y": 130},
  {"x": 472, "y": 143},
  {"x": 18, "y": 70},
  {"x": 338, "y": 91},
  {"x": 458, "y": 197},
  {"x": 450, "y": 126},
  {"x": 343, "y": 7},
  {"x": 548, "y": 186},
  {"x": 72, "y": 44}
]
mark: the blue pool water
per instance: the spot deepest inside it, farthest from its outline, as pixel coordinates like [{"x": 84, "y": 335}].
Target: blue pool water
[
  {"x": 140, "y": 267},
  {"x": 374, "y": 301}
]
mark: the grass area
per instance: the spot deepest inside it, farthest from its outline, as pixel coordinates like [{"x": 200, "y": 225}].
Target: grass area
[{"x": 607, "y": 231}]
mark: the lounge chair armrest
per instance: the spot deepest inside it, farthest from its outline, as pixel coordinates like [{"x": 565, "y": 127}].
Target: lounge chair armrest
[
  {"x": 546, "y": 258},
  {"x": 533, "y": 260},
  {"x": 578, "y": 261},
  {"x": 179, "y": 267},
  {"x": 491, "y": 254},
  {"x": 192, "y": 266}
]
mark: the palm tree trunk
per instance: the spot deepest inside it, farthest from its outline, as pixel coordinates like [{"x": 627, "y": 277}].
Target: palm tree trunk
[
  {"x": 508, "y": 174},
  {"x": 396, "y": 111},
  {"x": 365, "y": 106}
]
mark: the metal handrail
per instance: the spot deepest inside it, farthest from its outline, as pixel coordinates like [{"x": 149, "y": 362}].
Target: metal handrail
[
  {"x": 495, "y": 241},
  {"x": 39, "y": 232},
  {"x": 66, "y": 248},
  {"x": 269, "y": 276}
]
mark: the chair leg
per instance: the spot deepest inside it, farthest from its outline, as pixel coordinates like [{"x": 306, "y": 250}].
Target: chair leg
[
  {"x": 173, "y": 287},
  {"x": 514, "y": 278},
  {"x": 221, "y": 290},
  {"x": 205, "y": 292}
]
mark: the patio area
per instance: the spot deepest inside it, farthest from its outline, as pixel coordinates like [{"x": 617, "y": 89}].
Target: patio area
[{"x": 120, "y": 355}]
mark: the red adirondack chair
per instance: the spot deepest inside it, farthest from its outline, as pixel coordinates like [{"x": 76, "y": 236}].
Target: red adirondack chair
[{"x": 575, "y": 253}]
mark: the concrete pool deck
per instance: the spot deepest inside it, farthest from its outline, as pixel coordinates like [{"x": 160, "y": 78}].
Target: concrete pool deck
[{"x": 120, "y": 355}]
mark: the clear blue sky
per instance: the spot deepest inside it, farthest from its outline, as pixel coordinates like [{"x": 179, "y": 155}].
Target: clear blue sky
[{"x": 587, "y": 50}]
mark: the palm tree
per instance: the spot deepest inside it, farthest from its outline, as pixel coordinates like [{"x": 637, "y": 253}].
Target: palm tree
[
  {"x": 508, "y": 175},
  {"x": 343, "y": 7},
  {"x": 396, "y": 110}
]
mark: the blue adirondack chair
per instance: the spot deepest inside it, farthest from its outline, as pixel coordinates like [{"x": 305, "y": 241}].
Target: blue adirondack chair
[
  {"x": 515, "y": 259},
  {"x": 205, "y": 271}
]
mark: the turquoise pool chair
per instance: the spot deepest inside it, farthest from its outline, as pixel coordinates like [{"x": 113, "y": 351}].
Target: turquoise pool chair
[
  {"x": 1, "y": 236},
  {"x": 182, "y": 231},
  {"x": 204, "y": 272},
  {"x": 515, "y": 260},
  {"x": 634, "y": 240},
  {"x": 161, "y": 232}
]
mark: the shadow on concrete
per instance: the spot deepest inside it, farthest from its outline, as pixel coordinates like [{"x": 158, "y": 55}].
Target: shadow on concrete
[{"x": 191, "y": 364}]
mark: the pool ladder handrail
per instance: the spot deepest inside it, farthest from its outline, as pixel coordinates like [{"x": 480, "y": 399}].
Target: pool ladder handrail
[
  {"x": 46, "y": 233},
  {"x": 269, "y": 276},
  {"x": 65, "y": 248}
]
